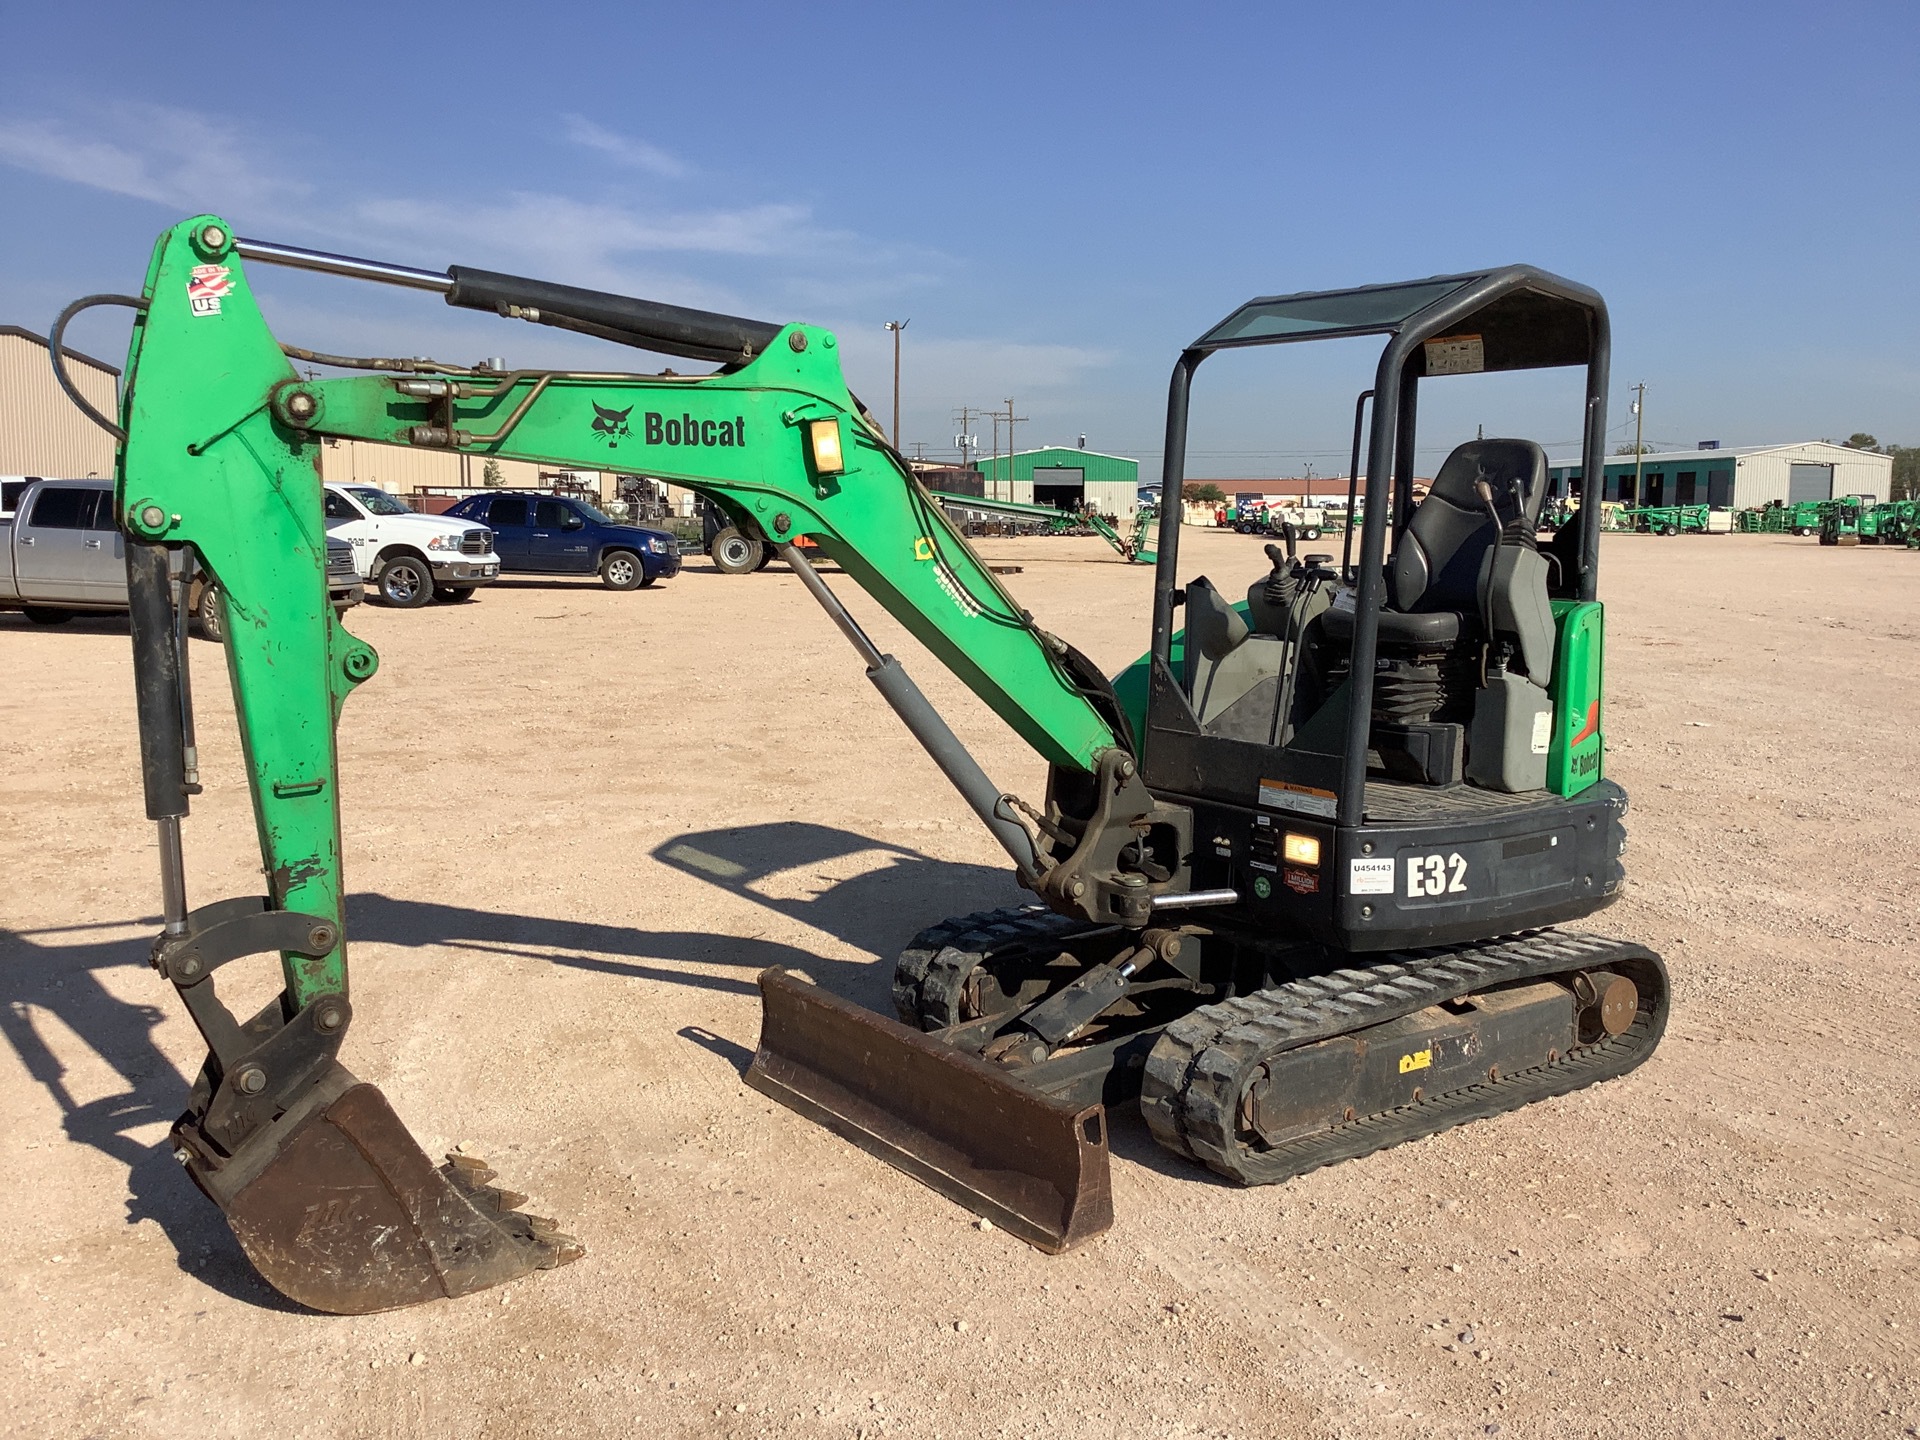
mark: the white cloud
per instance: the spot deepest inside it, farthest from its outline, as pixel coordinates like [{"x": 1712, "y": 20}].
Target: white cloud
[
  {"x": 191, "y": 162},
  {"x": 623, "y": 149},
  {"x": 157, "y": 153}
]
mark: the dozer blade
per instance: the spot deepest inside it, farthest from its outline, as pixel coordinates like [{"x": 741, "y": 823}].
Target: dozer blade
[
  {"x": 339, "y": 1209},
  {"x": 1036, "y": 1166}
]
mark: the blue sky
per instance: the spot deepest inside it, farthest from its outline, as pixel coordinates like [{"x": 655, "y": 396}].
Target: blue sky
[{"x": 1057, "y": 196}]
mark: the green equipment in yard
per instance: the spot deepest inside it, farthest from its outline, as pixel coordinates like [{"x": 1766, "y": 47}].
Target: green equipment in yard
[
  {"x": 1664, "y": 519},
  {"x": 1135, "y": 548},
  {"x": 1894, "y": 522},
  {"x": 1777, "y": 517},
  {"x": 1299, "y": 870},
  {"x": 1802, "y": 517},
  {"x": 1840, "y": 521}
]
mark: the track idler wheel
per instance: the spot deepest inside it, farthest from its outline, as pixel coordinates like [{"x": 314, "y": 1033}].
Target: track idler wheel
[{"x": 339, "y": 1208}]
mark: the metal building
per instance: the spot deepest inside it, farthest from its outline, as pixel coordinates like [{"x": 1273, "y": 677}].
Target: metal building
[
  {"x": 1065, "y": 477},
  {"x": 41, "y": 433},
  {"x": 1737, "y": 479}
]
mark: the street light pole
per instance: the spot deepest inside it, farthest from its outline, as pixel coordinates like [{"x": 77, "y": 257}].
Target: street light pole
[
  {"x": 1639, "y": 449},
  {"x": 896, "y": 326}
]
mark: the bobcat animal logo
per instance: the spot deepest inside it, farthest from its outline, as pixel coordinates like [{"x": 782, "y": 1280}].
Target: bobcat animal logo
[{"x": 611, "y": 425}]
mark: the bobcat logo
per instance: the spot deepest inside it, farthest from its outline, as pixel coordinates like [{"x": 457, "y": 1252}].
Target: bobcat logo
[{"x": 611, "y": 425}]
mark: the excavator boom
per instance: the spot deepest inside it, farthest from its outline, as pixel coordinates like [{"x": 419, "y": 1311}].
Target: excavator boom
[{"x": 333, "y": 1201}]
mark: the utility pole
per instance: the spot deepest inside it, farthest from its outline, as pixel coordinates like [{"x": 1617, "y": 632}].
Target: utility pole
[
  {"x": 1639, "y": 422},
  {"x": 1011, "y": 417},
  {"x": 964, "y": 440},
  {"x": 994, "y": 415},
  {"x": 896, "y": 326}
]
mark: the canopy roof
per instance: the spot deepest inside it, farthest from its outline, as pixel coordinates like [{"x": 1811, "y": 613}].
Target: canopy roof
[{"x": 1522, "y": 319}]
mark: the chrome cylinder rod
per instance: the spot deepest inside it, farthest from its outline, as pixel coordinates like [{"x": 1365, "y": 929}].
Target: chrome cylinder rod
[
  {"x": 1195, "y": 899},
  {"x": 173, "y": 876},
  {"x": 292, "y": 256}
]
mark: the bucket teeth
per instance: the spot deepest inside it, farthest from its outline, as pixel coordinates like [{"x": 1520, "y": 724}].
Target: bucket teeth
[{"x": 469, "y": 1171}]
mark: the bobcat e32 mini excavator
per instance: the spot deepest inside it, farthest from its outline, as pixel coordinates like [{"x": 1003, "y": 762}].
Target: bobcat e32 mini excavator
[{"x": 1298, "y": 870}]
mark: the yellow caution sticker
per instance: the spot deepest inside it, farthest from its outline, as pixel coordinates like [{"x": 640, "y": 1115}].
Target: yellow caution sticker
[
  {"x": 1418, "y": 1060},
  {"x": 923, "y": 549}
]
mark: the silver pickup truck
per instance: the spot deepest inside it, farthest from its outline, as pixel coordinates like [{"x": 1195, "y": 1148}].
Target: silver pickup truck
[{"x": 61, "y": 555}]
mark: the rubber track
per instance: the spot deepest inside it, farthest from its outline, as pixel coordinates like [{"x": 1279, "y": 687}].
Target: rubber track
[
  {"x": 1203, "y": 1062},
  {"x": 929, "y": 975}
]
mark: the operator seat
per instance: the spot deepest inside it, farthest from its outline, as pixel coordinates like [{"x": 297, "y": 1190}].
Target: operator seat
[
  {"x": 1433, "y": 584},
  {"x": 1445, "y": 598}
]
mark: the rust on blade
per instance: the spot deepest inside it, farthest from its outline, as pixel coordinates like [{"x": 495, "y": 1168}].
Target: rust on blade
[
  {"x": 339, "y": 1209},
  {"x": 1035, "y": 1166}
]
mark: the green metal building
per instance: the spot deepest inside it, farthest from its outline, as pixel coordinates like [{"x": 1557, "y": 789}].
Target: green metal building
[{"x": 1065, "y": 477}]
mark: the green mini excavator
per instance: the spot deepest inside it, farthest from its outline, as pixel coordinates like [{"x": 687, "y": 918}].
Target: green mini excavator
[{"x": 1298, "y": 873}]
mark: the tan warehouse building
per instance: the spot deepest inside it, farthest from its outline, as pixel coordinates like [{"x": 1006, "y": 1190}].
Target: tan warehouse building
[{"x": 41, "y": 431}]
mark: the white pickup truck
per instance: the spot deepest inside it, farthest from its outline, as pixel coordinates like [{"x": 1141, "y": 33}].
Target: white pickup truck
[
  {"x": 409, "y": 558},
  {"x": 61, "y": 555}
]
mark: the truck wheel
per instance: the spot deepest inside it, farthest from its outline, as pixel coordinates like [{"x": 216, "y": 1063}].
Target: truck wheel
[
  {"x": 734, "y": 553},
  {"x": 405, "y": 582},
  {"x": 1312, "y": 532},
  {"x": 452, "y": 594},
  {"x": 46, "y": 615},
  {"x": 211, "y": 618},
  {"x": 622, "y": 570}
]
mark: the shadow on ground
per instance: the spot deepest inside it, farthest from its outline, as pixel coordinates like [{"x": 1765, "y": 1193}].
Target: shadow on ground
[
  {"x": 57, "y": 972},
  {"x": 895, "y": 893}
]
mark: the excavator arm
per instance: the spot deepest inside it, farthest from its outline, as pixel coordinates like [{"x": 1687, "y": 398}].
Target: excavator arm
[{"x": 219, "y": 468}]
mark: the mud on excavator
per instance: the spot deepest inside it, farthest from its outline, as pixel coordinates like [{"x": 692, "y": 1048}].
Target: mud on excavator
[{"x": 1298, "y": 871}]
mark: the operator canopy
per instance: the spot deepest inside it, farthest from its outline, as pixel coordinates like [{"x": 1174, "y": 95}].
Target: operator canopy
[{"x": 1511, "y": 318}]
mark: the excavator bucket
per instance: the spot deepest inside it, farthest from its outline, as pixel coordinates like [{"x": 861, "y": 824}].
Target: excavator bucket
[
  {"x": 1034, "y": 1165},
  {"x": 340, "y": 1210}
]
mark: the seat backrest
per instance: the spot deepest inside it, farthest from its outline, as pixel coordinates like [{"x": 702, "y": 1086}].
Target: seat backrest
[
  {"x": 1214, "y": 627},
  {"x": 1436, "y": 565}
]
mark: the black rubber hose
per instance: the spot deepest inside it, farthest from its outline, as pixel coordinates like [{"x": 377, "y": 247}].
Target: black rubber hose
[
  {"x": 647, "y": 324},
  {"x": 56, "y": 339},
  {"x": 156, "y": 680}
]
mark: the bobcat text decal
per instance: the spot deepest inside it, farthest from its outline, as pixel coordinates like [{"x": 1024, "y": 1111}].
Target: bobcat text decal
[{"x": 685, "y": 430}]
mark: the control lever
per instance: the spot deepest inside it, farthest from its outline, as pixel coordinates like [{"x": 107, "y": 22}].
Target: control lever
[{"x": 1485, "y": 492}]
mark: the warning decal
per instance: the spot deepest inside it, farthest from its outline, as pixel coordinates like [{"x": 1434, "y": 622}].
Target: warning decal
[
  {"x": 1542, "y": 738},
  {"x": 1456, "y": 355},
  {"x": 1304, "y": 799}
]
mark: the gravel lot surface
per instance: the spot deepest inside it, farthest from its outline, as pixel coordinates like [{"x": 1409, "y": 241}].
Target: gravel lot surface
[{"x": 549, "y": 973}]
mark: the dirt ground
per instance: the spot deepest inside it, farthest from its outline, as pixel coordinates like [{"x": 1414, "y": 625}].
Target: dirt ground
[{"x": 579, "y": 822}]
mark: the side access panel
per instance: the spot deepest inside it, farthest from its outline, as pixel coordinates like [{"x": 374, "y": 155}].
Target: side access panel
[{"x": 1576, "y": 758}]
